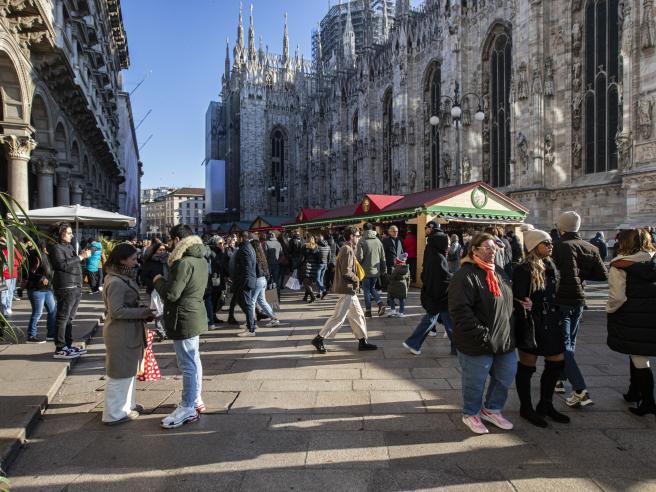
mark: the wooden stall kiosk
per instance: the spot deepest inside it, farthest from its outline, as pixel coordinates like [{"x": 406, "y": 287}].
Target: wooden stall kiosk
[
  {"x": 269, "y": 223},
  {"x": 471, "y": 206}
]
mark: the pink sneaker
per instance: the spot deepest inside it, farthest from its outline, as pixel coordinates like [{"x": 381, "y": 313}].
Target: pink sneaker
[
  {"x": 497, "y": 419},
  {"x": 474, "y": 423}
]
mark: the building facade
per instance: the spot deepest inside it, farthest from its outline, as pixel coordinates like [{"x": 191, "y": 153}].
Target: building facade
[
  {"x": 181, "y": 206},
  {"x": 567, "y": 90},
  {"x": 62, "y": 108}
]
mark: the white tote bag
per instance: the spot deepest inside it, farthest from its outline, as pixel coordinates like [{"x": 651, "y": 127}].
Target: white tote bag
[
  {"x": 156, "y": 304},
  {"x": 292, "y": 282}
]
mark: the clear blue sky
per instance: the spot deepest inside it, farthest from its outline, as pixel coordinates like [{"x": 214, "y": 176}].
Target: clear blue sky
[{"x": 182, "y": 46}]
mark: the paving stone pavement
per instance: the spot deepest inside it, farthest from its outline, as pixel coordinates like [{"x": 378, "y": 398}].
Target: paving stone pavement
[{"x": 283, "y": 417}]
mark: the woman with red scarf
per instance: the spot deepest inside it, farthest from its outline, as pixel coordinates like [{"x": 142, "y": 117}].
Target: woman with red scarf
[{"x": 481, "y": 306}]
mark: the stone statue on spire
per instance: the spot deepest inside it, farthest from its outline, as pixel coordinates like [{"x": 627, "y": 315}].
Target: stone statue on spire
[
  {"x": 285, "y": 45},
  {"x": 251, "y": 37},
  {"x": 239, "y": 47}
]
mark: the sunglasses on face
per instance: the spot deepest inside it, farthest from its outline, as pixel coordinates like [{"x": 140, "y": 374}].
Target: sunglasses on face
[{"x": 547, "y": 243}]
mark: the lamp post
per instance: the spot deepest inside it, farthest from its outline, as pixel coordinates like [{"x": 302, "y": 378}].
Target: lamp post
[
  {"x": 456, "y": 114},
  {"x": 276, "y": 191}
]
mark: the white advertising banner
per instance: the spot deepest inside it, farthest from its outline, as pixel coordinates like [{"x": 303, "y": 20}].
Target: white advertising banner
[{"x": 215, "y": 187}]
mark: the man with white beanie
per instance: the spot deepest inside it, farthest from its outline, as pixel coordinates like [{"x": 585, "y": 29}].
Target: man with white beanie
[{"x": 577, "y": 261}]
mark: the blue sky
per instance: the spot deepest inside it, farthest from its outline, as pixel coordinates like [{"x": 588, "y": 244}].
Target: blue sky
[{"x": 180, "y": 47}]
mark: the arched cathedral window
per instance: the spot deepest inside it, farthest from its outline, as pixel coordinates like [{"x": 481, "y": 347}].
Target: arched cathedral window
[
  {"x": 432, "y": 98},
  {"x": 498, "y": 61},
  {"x": 388, "y": 118},
  {"x": 278, "y": 156},
  {"x": 602, "y": 111}
]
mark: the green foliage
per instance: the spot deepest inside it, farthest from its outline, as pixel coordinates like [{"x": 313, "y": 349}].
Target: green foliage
[
  {"x": 12, "y": 229},
  {"x": 107, "y": 246}
]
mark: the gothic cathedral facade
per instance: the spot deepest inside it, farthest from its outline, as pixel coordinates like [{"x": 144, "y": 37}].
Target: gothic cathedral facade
[{"x": 565, "y": 90}]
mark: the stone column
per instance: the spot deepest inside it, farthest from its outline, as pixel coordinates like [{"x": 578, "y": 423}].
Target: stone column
[
  {"x": 86, "y": 195},
  {"x": 18, "y": 151},
  {"x": 63, "y": 187},
  {"x": 76, "y": 192},
  {"x": 45, "y": 173}
]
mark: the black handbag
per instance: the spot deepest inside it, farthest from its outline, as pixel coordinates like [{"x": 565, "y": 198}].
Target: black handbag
[{"x": 524, "y": 326}]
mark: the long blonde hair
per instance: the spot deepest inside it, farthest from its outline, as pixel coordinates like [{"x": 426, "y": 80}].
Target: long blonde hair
[
  {"x": 537, "y": 266},
  {"x": 311, "y": 242}
]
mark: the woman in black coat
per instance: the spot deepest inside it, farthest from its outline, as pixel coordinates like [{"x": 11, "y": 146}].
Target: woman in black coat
[
  {"x": 537, "y": 327},
  {"x": 631, "y": 312},
  {"x": 310, "y": 261}
]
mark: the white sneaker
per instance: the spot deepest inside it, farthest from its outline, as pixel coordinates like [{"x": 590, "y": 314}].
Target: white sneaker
[
  {"x": 273, "y": 322},
  {"x": 178, "y": 417},
  {"x": 400, "y": 315},
  {"x": 246, "y": 333},
  {"x": 413, "y": 351},
  {"x": 8, "y": 312},
  {"x": 100, "y": 289},
  {"x": 392, "y": 314},
  {"x": 432, "y": 333},
  {"x": 579, "y": 400}
]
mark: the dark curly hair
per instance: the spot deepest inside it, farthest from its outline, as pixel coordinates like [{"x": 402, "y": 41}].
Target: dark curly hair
[{"x": 57, "y": 231}]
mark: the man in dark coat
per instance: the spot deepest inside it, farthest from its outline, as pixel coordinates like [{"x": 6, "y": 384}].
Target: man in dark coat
[
  {"x": 246, "y": 279},
  {"x": 393, "y": 247},
  {"x": 577, "y": 261},
  {"x": 600, "y": 242},
  {"x": 435, "y": 277}
]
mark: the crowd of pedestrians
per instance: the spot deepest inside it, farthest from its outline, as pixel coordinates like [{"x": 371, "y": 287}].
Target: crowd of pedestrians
[{"x": 503, "y": 303}]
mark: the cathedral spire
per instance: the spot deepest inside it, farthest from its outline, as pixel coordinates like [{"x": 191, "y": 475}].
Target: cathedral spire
[
  {"x": 319, "y": 49},
  {"x": 349, "y": 39},
  {"x": 239, "y": 47},
  {"x": 285, "y": 44},
  {"x": 251, "y": 37},
  {"x": 386, "y": 24},
  {"x": 226, "y": 69}
]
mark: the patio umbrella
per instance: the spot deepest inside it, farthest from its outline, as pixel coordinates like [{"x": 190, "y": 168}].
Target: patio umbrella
[{"x": 79, "y": 215}]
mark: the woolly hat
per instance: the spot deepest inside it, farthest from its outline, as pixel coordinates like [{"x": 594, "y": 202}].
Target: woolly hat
[
  {"x": 533, "y": 237},
  {"x": 401, "y": 259},
  {"x": 569, "y": 222}
]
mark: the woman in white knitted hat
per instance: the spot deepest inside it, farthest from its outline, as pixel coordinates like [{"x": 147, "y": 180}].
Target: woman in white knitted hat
[{"x": 537, "y": 327}]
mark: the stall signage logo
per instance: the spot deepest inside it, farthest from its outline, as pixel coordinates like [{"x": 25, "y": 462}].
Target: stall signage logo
[
  {"x": 479, "y": 197},
  {"x": 365, "y": 205}
]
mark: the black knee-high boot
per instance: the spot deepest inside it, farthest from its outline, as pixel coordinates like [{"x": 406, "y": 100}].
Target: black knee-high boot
[
  {"x": 633, "y": 395},
  {"x": 550, "y": 375},
  {"x": 645, "y": 380},
  {"x": 523, "y": 384}
]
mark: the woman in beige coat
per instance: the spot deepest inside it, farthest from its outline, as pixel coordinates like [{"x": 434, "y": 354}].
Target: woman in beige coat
[{"x": 124, "y": 334}]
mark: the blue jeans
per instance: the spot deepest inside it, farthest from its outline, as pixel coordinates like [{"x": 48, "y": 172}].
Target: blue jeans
[
  {"x": 188, "y": 355},
  {"x": 475, "y": 369},
  {"x": 209, "y": 309},
  {"x": 321, "y": 272},
  {"x": 570, "y": 318},
  {"x": 369, "y": 287},
  {"x": 246, "y": 300},
  {"x": 259, "y": 298},
  {"x": 426, "y": 324},
  {"x": 39, "y": 298},
  {"x": 8, "y": 295},
  {"x": 392, "y": 304}
]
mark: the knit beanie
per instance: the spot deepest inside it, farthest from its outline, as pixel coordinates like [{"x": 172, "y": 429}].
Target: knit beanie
[
  {"x": 533, "y": 237},
  {"x": 569, "y": 221}
]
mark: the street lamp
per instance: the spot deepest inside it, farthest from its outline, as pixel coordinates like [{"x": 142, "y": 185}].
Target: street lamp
[
  {"x": 276, "y": 191},
  {"x": 456, "y": 114}
]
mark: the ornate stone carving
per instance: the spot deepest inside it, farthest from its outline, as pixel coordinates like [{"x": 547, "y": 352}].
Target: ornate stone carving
[
  {"x": 446, "y": 166},
  {"x": 549, "y": 88},
  {"x": 466, "y": 169},
  {"x": 576, "y": 5},
  {"x": 576, "y": 113},
  {"x": 576, "y": 154},
  {"x": 411, "y": 133},
  {"x": 522, "y": 149},
  {"x": 646, "y": 200},
  {"x": 647, "y": 27},
  {"x": 18, "y": 147},
  {"x": 577, "y": 36},
  {"x": 413, "y": 180},
  {"x": 522, "y": 81},
  {"x": 549, "y": 155},
  {"x": 645, "y": 109},
  {"x": 44, "y": 166},
  {"x": 536, "y": 86},
  {"x": 486, "y": 168},
  {"x": 397, "y": 181},
  {"x": 623, "y": 142},
  {"x": 372, "y": 148},
  {"x": 576, "y": 76},
  {"x": 404, "y": 138},
  {"x": 645, "y": 152}
]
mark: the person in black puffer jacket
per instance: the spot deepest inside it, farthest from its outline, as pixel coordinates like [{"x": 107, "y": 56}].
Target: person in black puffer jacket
[
  {"x": 67, "y": 285},
  {"x": 324, "y": 260},
  {"x": 435, "y": 278},
  {"x": 631, "y": 312},
  {"x": 537, "y": 328},
  {"x": 481, "y": 304},
  {"x": 39, "y": 292},
  {"x": 310, "y": 260},
  {"x": 577, "y": 261}
]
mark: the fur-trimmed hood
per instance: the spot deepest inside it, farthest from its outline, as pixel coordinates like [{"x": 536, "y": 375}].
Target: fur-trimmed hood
[{"x": 189, "y": 246}]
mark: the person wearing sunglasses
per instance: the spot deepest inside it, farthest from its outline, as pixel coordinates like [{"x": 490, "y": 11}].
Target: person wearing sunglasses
[
  {"x": 481, "y": 306},
  {"x": 537, "y": 327}
]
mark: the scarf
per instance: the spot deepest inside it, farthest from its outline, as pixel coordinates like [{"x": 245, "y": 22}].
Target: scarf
[
  {"x": 123, "y": 270},
  {"x": 491, "y": 278}
]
